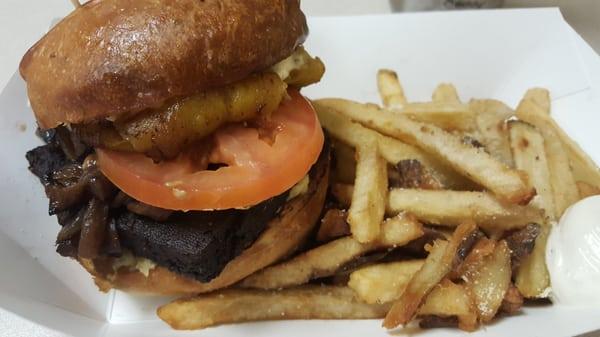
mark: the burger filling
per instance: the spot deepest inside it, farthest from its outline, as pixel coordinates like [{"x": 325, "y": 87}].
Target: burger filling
[{"x": 188, "y": 186}]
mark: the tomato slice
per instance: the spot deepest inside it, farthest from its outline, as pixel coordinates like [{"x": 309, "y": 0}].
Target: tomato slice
[{"x": 256, "y": 169}]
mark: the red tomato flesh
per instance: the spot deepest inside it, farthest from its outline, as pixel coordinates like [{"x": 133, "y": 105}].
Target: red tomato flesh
[{"x": 256, "y": 170}]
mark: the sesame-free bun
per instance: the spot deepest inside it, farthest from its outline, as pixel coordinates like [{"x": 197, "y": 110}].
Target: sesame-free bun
[{"x": 112, "y": 58}]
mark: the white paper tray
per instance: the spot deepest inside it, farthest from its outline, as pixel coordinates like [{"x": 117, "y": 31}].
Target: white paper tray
[{"x": 497, "y": 54}]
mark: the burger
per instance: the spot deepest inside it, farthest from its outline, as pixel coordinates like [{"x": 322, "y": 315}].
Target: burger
[{"x": 179, "y": 155}]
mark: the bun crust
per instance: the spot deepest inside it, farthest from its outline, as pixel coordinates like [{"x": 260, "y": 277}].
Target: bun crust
[
  {"x": 283, "y": 235},
  {"x": 111, "y": 57}
]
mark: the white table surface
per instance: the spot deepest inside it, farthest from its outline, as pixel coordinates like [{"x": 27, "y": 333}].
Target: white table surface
[{"x": 22, "y": 22}]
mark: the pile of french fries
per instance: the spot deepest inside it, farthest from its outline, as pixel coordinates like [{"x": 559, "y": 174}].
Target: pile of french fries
[{"x": 442, "y": 211}]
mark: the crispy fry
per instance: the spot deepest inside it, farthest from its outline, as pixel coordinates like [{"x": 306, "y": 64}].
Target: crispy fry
[
  {"x": 451, "y": 208},
  {"x": 390, "y": 89},
  {"x": 491, "y": 116},
  {"x": 512, "y": 302},
  {"x": 508, "y": 184},
  {"x": 584, "y": 168},
  {"x": 243, "y": 305},
  {"x": 437, "y": 265},
  {"x": 587, "y": 190},
  {"x": 539, "y": 96},
  {"x": 370, "y": 193},
  {"x": 562, "y": 180},
  {"x": 381, "y": 283},
  {"x": 490, "y": 282},
  {"x": 326, "y": 259},
  {"x": 530, "y": 156},
  {"x": 532, "y": 277},
  {"x": 393, "y": 150},
  {"x": 333, "y": 225},
  {"x": 445, "y": 92},
  {"x": 483, "y": 248},
  {"x": 451, "y": 299},
  {"x": 446, "y": 115}
]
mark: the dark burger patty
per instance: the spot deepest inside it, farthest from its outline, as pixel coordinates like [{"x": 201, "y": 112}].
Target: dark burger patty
[{"x": 195, "y": 244}]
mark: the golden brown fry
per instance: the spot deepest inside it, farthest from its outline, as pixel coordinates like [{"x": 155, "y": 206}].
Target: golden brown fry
[
  {"x": 490, "y": 117},
  {"x": 446, "y": 115},
  {"x": 381, "y": 283},
  {"x": 451, "y": 208},
  {"x": 562, "y": 180},
  {"x": 539, "y": 96},
  {"x": 451, "y": 299},
  {"x": 530, "y": 156},
  {"x": 483, "y": 248},
  {"x": 445, "y": 92},
  {"x": 328, "y": 258},
  {"x": 393, "y": 150},
  {"x": 390, "y": 89},
  {"x": 584, "y": 168},
  {"x": 512, "y": 302},
  {"x": 370, "y": 193},
  {"x": 508, "y": 184},
  {"x": 333, "y": 225},
  {"x": 243, "y": 305},
  {"x": 587, "y": 190},
  {"x": 490, "y": 282},
  {"x": 437, "y": 265},
  {"x": 532, "y": 277}
]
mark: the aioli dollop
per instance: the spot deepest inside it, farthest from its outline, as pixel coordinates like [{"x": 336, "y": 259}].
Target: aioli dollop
[{"x": 573, "y": 255}]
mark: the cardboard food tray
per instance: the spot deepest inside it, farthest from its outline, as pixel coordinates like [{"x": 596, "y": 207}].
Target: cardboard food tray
[{"x": 486, "y": 54}]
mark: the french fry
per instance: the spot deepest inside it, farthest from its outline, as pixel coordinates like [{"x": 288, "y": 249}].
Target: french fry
[
  {"x": 476, "y": 257},
  {"x": 539, "y": 96},
  {"x": 446, "y": 115},
  {"x": 512, "y": 302},
  {"x": 584, "y": 168},
  {"x": 509, "y": 185},
  {"x": 532, "y": 277},
  {"x": 390, "y": 89},
  {"x": 333, "y": 225},
  {"x": 490, "y": 117},
  {"x": 451, "y": 208},
  {"x": 451, "y": 299},
  {"x": 326, "y": 259},
  {"x": 489, "y": 284},
  {"x": 445, "y": 92},
  {"x": 385, "y": 282},
  {"x": 587, "y": 190},
  {"x": 530, "y": 156},
  {"x": 562, "y": 180},
  {"x": 393, "y": 150},
  {"x": 370, "y": 193},
  {"x": 437, "y": 264},
  {"x": 243, "y": 305}
]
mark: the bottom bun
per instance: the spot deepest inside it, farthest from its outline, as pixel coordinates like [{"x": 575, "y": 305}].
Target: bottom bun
[{"x": 283, "y": 236}]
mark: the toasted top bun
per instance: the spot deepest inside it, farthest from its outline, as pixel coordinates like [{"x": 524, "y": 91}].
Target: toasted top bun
[
  {"x": 283, "y": 235},
  {"x": 114, "y": 57}
]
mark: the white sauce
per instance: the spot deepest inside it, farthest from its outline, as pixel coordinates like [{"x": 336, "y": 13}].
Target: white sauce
[{"x": 573, "y": 255}]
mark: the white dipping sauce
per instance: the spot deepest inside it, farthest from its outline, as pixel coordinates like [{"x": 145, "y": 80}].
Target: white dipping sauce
[{"x": 573, "y": 255}]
